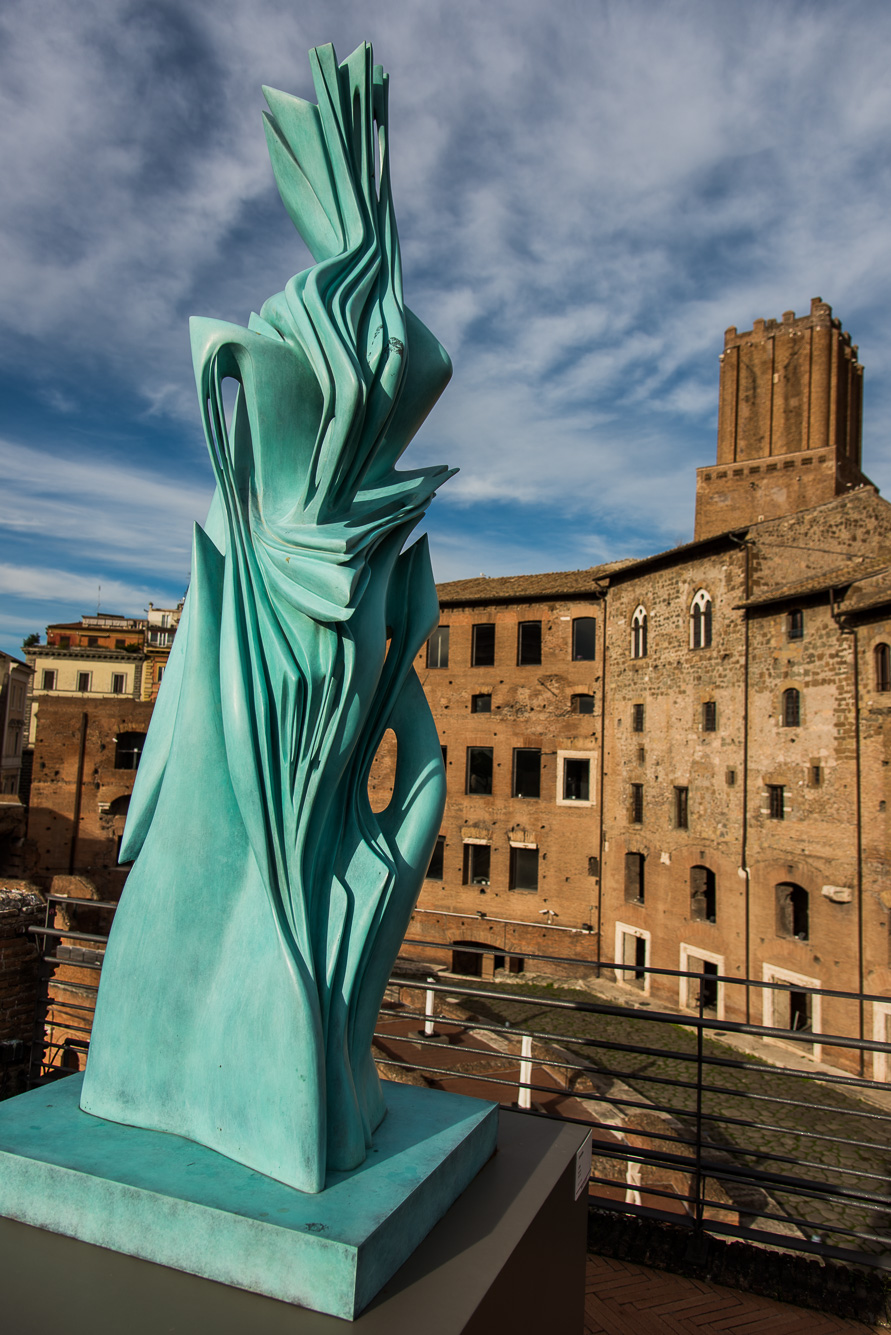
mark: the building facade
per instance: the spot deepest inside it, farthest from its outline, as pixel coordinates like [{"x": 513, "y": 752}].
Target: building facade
[{"x": 680, "y": 763}]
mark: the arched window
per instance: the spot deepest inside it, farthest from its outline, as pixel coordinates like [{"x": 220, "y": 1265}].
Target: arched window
[
  {"x": 792, "y": 910},
  {"x": 701, "y": 621},
  {"x": 639, "y": 633},
  {"x": 883, "y": 667},
  {"x": 128, "y": 749},
  {"x": 702, "y": 894},
  {"x": 791, "y": 708}
]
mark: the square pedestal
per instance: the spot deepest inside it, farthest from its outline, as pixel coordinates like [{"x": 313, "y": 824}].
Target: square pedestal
[{"x": 170, "y": 1201}]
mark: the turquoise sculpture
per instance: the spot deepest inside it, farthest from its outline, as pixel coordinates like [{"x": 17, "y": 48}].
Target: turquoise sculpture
[{"x": 267, "y": 902}]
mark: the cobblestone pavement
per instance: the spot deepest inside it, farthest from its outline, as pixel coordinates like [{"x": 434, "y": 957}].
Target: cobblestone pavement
[
  {"x": 626, "y": 1299},
  {"x": 800, "y": 1118}
]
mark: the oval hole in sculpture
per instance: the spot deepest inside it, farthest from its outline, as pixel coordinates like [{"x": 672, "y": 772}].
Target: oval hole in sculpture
[{"x": 383, "y": 773}]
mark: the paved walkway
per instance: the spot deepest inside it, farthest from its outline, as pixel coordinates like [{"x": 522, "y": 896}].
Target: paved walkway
[{"x": 625, "y": 1299}]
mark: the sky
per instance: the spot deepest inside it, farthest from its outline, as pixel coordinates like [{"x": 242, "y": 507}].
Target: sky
[{"x": 588, "y": 193}]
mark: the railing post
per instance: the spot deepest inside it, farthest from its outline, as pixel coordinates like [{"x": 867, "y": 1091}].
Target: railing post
[
  {"x": 696, "y": 1250},
  {"x": 429, "y": 1031},
  {"x": 524, "y": 1093}
]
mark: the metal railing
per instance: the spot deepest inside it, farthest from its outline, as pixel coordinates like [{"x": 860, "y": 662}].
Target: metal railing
[{"x": 721, "y": 1126}]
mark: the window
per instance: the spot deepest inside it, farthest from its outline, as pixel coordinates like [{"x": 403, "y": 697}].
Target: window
[
  {"x": 523, "y": 868},
  {"x": 481, "y": 704},
  {"x": 118, "y": 683},
  {"x": 776, "y": 799},
  {"x": 730, "y": 777},
  {"x": 702, "y": 894},
  {"x": 883, "y": 667},
  {"x": 582, "y": 704},
  {"x": 584, "y": 638},
  {"x": 637, "y": 804},
  {"x": 527, "y": 772},
  {"x": 437, "y": 857},
  {"x": 709, "y": 716},
  {"x": 92, "y": 641},
  {"x": 477, "y": 859},
  {"x": 593, "y": 866},
  {"x": 632, "y": 952},
  {"x": 792, "y": 910},
  {"x": 128, "y": 750},
  {"x": 634, "y": 878},
  {"x": 482, "y": 646},
  {"x": 791, "y": 708},
  {"x": 529, "y": 642},
  {"x": 637, "y": 718},
  {"x": 639, "y": 634},
  {"x": 120, "y": 644},
  {"x": 83, "y": 681},
  {"x": 64, "y": 641},
  {"x": 700, "y": 987},
  {"x": 641, "y": 754},
  {"x": 701, "y": 621},
  {"x": 49, "y": 680},
  {"x": 479, "y": 770},
  {"x": 438, "y": 648},
  {"x": 815, "y": 776},
  {"x": 445, "y": 755},
  {"x": 795, "y": 624},
  {"x": 159, "y": 674},
  {"x": 681, "y": 808},
  {"x": 576, "y": 780}
]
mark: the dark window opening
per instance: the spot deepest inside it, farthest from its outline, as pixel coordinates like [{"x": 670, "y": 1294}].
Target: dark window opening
[
  {"x": 445, "y": 755},
  {"x": 681, "y": 808},
  {"x": 128, "y": 749},
  {"x": 792, "y": 911},
  {"x": 791, "y": 708},
  {"x": 709, "y": 716},
  {"x": 83, "y": 681},
  {"x": 481, "y": 704},
  {"x": 703, "y": 991},
  {"x": 528, "y": 642},
  {"x": 730, "y": 777},
  {"x": 479, "y": 770},
  {"x": 634, "y": 878},
  {"x": 437, "y": 860},
  {"x": 593, "y": 866},
  {"x": 482, "y": 646},
  {"x": 576, "y": 780},
  {"x": 637, "y": 718},
  {"x": 701, "y": 631},
  {"x": 92, "y": 641},
  {"x": 49, "y": 680},
  {"x": 120, "y": 644},
  {"x": 639, "y": 635},
  {"x": 477, "y": 862},
  {"x": 64, "y": 641},
  {"x": 634, "y": 957},
  {"x": 468, "y": 962},
  {"x": 636, "y": 803},
  {"x": 438, "y": 648},
  {"x": 883, "y": 667},
  {"x": 795, "y": 624},
  {"x": 800, "y": 1011},
  {"x": 776, "y": 796},
  {"x": 815, "y": 776},
  {"x": 641, "y": 754},
  {"x": 584, "y": 639},
  {"x": 583, "y": 704},
  {"x": 118, "y": 683},
  {"x": 702, "y": 894},
  {"x": 527, "y": 772},
  {"x": 523, "y": 868}
]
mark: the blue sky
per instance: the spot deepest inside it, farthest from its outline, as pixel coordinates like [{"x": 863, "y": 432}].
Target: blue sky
[{"x": 588, "y": 194}]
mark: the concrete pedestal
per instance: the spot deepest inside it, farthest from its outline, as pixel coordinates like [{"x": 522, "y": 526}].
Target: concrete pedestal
[{"x": 508, "y": 1255}]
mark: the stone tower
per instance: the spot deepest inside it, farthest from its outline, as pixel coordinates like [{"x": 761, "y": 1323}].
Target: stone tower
[{"x": 788, "y": 421}]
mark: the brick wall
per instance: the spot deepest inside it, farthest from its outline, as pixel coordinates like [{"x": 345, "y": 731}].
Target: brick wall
[{"x": 20, "y": 908}]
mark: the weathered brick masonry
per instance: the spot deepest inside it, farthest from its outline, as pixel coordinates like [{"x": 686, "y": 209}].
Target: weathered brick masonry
[{"x": 20, "y": 908}]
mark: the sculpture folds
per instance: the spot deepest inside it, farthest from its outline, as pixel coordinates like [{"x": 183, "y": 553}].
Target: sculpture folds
[{"x": 267, "y": 903}]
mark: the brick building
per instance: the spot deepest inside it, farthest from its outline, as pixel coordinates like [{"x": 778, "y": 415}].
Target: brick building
[{"x": 680, "y": 762}]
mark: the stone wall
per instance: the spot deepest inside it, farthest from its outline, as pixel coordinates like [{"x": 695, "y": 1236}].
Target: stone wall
[{"x": 21, "y": 907}]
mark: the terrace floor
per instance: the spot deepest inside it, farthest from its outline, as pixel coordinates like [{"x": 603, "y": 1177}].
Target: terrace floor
[{"x": 626, "y": 1299}]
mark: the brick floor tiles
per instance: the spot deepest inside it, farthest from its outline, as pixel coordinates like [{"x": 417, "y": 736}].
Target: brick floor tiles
[{"x": 625, "y": 1299}]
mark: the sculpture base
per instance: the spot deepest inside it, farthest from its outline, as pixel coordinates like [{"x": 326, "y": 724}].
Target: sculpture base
[{"x": 168, "y": 1200}]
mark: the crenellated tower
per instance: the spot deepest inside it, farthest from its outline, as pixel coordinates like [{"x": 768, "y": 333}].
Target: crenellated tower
[{"x": 789, "y": 421}]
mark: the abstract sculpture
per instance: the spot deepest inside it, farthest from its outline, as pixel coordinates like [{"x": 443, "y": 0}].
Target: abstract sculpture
[{"x": 267, "y": 902}]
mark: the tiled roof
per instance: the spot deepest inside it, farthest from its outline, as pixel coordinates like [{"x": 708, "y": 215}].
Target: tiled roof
[
  {"x": 839, "y": 577},
  {"x": 516, "y": 588},
  {"x": 867, "y": 591}
]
